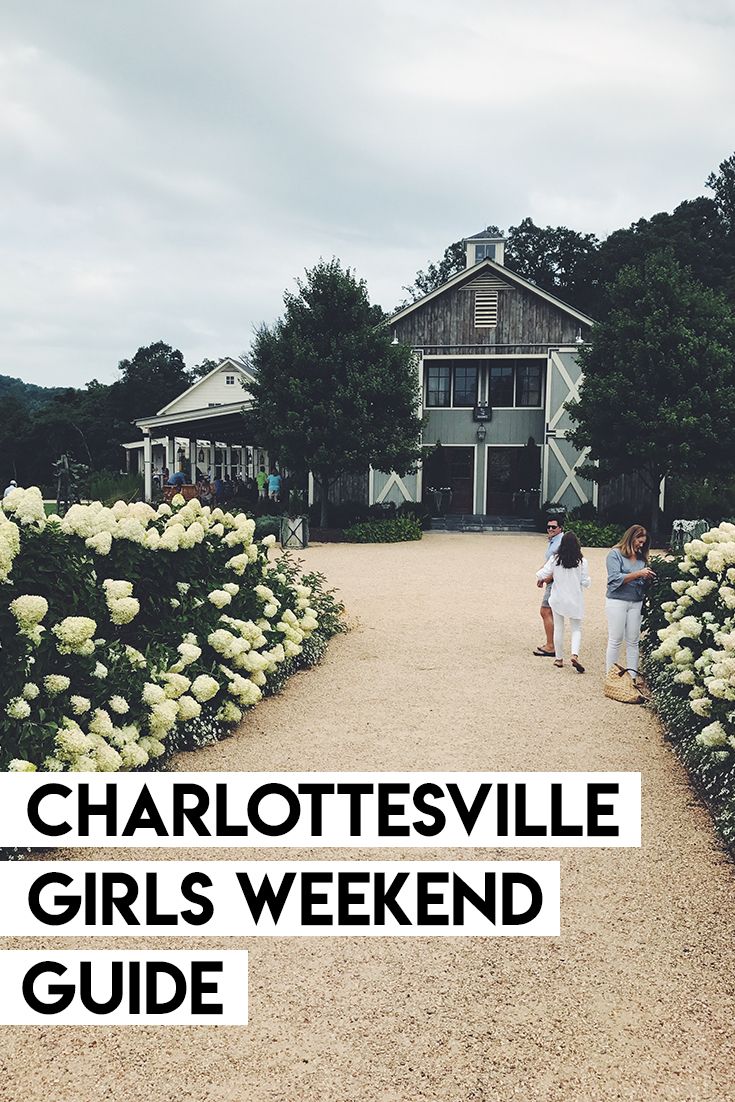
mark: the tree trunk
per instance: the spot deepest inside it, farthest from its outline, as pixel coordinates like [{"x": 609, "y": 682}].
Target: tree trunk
[{"x": 323, "y": 484}]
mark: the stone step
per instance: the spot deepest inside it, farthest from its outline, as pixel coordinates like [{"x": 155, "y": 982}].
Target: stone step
[{"x": 477, "y": 522}]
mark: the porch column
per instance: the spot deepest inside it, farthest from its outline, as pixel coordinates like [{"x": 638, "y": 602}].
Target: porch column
[
  {"x": 193, "y": 460},
  {"x": 311, "y": 488},
  {"x": 127, "y": 460},
  {"x": 147, "y": 466},
  {"x": 228, "y": 462},
  {"x": 171, "y": 453}
]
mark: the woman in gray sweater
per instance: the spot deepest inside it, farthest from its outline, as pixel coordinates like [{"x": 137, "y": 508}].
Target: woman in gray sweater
[{"x": 627, "y": 575}]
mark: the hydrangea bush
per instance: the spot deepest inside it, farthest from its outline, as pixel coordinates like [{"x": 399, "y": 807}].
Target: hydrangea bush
[
  {"x": 690, "y": 661},
  {"x": 127, "y": 632}
]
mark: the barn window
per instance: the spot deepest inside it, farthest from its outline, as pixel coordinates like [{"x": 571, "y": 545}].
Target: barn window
[
  {"x": 528, "y": 384},
  {"x": 501, "y": 384},
  {"x": 465, "y": 385},
  {"x": 438, "y": 385}
]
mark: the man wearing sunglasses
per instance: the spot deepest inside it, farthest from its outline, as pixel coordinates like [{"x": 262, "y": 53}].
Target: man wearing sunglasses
[{"x": 554, "y": 533}]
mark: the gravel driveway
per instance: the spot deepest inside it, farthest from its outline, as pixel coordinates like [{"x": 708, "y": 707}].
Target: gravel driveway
[{"x": 635, "y": 999}]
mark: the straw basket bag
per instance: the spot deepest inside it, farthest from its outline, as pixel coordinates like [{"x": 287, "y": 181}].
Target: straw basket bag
[{"x": 619, "y": 685}]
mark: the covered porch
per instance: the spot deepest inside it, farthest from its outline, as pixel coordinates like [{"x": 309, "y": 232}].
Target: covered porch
[{"x": 206, "y": 443}]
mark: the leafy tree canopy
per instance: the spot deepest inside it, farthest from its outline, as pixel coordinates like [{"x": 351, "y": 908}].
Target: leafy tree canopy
[
  {"x": 658, "y": 395},
  {"x": 333, "y": 395},
  {"x": 150, "y": 380}
]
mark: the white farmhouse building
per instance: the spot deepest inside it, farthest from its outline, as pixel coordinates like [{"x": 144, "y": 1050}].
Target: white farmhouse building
[{"x": 203, "y": 427}]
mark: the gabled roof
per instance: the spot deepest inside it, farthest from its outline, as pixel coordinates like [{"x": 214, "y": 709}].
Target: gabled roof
[
  {"x": 496, "y": 269},
  {"x": 485, "y": 235},
  {"x": 229, "y": 361}
]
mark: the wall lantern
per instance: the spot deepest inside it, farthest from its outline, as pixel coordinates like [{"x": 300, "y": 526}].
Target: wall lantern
[
  {"x": 200, "y": 456},
  {"x": 481, "y": 432}
]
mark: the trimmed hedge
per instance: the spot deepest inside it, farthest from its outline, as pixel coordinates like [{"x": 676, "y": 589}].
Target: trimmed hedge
[{"x": 385, "y": 531}]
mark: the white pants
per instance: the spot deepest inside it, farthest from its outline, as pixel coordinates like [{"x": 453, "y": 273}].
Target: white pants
[
  {"x": 576, "y": 626},
  {"x": 623, "y": 623}
]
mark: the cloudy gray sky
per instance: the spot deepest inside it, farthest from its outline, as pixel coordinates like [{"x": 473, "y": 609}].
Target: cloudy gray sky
[{"x": 170, "y": 166}]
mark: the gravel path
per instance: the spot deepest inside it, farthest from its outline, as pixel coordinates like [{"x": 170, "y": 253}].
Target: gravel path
[{"x": 634, "y": 1001}]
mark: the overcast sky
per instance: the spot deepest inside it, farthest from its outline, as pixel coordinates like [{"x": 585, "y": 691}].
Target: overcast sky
[{"x": 170, "y": 166}]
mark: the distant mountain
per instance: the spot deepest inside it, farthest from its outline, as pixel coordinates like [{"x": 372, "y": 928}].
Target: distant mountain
[{"x": 33, "y": 397}]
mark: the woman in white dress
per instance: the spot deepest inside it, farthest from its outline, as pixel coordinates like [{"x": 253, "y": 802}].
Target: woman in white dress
[{"x": 569, "y": 572}]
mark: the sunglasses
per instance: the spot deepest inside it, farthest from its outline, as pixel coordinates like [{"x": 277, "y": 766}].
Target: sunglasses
[{"x": 551, "y": 527}]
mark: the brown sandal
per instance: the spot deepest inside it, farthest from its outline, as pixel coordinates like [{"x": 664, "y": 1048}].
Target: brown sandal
[
  {"x": 578, "y": 665},
  {"x": 559, "y": 662}
]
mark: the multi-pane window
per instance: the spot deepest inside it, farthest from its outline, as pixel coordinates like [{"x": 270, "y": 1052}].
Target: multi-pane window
[
  {"x": 438, "y": 385},
  {"x": 229, "y": 380},
  {"x": 511, "y": 383},
  {"x": 528, "y": 384},
  {"x": 465, "y": 384},
  {"x": 501, "y": 384}
]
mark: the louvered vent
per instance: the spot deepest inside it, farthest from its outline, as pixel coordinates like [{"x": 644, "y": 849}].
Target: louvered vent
[
  {"x": 486, "y": 289},
  {"x": 486, "y": 309}
]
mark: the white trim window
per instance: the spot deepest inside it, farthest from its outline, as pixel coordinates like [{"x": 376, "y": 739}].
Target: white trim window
[
  {"x": 516, "y": 384},
  {"x": 451, "y": 384},
  {"x": 229, "y": 380}
]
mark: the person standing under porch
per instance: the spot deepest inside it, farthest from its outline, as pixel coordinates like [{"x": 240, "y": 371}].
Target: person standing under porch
[{"x": 554, "y": 533}]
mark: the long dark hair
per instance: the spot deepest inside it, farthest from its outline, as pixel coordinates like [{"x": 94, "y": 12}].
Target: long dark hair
[{"x": 569, "y": 554}]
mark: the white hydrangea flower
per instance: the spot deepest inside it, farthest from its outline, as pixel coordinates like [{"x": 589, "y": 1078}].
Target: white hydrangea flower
[
  {"x": 18, "y": 708},
  {"x": 153, "y": 694},
  {"x": 713, "y": 735},
  {"x": 163, "y": 717},
  {"x": 204, "y": 688},
  {"x": 30, "y": 691},
  {"x": 55, "y": 683},
  {"x": 229, "y": 712},
  {"x": 28, "y": 611},
  {"x": 189, "y": 708},
  {"x": 20, "y": 765},
  {"x": 175, "y": 684},
  {"x": 219, "y": 598},
  {"x": 80, "y": 704},
  {"x": 119, "y": 705},
  {"x": 151, "y": 746},
  {"x": 99, "y": 671},
  {"x": 124, "y": 610},
  {"x": 101, "y": 543},
  {"x": 73, "y": 632}
]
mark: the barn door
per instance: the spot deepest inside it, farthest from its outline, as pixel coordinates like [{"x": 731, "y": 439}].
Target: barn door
[{"x": 561, "y": 479}]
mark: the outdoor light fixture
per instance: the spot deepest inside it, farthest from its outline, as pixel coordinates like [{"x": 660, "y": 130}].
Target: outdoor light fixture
[
  {"x": 579, "y": 339},
  {"x": 395, "y": 339},
  {"x": 481, "y": 432},
  {"x": 200, "y": 456}
]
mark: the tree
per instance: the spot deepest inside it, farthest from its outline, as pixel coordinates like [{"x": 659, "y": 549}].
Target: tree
[
  {"x": 658, "y": 394},
  {"x": 453, "y": 261},
  {"x": 722, "y": 183},
  {"x": 332, "y": 394},
  {"x": 200, "y": 371},
  {"x": 555, "y": 258},
  {"x": 693, "y": 232},
  {"x": 152, "y": 379}
]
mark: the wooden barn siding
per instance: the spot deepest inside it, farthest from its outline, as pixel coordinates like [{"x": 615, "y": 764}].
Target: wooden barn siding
[
  {"x": 629, "y": 489},
  {"x": 523, "y": 318}
]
